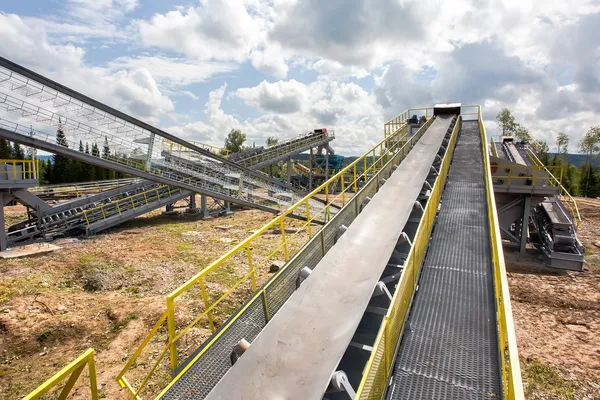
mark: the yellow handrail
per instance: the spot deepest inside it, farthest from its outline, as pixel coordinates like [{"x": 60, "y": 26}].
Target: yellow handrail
[
  {"x": 28, "y": 169},
  {"x": 509, "y": 356},
  {"x": 377, "y": 371},
  {"x": 568, "y": 199},
  {"x": 244, "y": 255},
  {"x": 72, "y": 371},
  {"x": 513, "y": 174}
]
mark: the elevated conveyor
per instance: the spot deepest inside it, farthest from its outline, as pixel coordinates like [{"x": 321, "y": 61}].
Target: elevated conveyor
[
  {"x": 298, "y": 351},
  {"x": 259, "y": 157},
  {"x": 134, "y": 147},
  {"x": 92, "y": 214},
  {"x": 450, "y": 350}
]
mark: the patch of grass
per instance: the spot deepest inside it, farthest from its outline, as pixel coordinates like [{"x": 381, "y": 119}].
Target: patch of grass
[
  {"x": 182, "y": 247},
  {"x": 22, "y": 286},
  {"x": 122, "y": 323},
  {"x": 87, "y": 259},
  {"x": 45, "y": 334},
  {"x": 546, "y": 380}
]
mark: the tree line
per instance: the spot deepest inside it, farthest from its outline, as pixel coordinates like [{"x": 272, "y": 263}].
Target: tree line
[
  {"x": 60, "y": 169},
  {"x": 583, "y": 180}
]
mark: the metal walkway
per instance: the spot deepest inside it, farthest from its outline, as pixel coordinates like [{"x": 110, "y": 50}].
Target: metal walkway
[{"x": 450, "y": 346}]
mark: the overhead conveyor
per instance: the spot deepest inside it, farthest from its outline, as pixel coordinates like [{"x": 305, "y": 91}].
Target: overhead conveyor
[{"x": 136, "y": 148}]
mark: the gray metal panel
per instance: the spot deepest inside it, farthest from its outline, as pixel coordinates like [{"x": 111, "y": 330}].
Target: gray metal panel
[
  {"x": 295, "y": 355},
  {"x": 451, "y": 348}
]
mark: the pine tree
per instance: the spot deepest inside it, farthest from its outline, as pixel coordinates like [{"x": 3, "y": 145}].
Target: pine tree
[
  {"x": 80, "y": 146},
  {"x": 17, "y": 152},
  {"x": 5, "y": 150},
  {"x": 61, "y": 168}
]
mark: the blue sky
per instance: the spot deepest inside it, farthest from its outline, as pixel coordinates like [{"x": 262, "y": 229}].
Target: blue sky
[{"x": 283, "y": 67}]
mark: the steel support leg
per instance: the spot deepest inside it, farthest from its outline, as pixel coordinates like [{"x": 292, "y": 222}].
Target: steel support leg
[
  {"x": 193, "y": 201},
  {"x": 289, "y": 170},
  {"x": 525, "y": 225},
  {"x": 204, "y": 206},
  {"x": 3, "y": 240}
]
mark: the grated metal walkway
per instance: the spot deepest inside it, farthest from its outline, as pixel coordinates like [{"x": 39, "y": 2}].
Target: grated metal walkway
[{"x": 450, "y": 346}]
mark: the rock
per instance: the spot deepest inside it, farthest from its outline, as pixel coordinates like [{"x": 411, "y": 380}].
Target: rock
[
  {"x": 61, "y": 308},
  {"x": 223, "y": 227},
  {"x": 227, "y": 240},
  {"x": 596, "y": 243},
  {"x": 44, "y": 284},
  {"x": 276, "y": 266}
]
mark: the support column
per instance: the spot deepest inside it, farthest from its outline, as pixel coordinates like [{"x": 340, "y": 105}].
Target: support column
[
  {"x": 3, "y": 240},
  {"x": 271, "y": 170},
  {"x": 310, "y": 175},
  {"x": 204, "y": 206},
  {"x": 227, "y": 208},
  {"x": 289, "y": 170},
  {"x": 525, "y": 225},
  {"x": 193, "y": 201}
]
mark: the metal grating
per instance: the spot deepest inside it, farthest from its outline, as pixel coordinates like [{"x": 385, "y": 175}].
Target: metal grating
[
  {"x": 215, "y": 361},
  {"x": 451, "y": 348}
]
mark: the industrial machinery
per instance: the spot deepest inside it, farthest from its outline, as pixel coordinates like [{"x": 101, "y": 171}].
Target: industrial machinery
[{"x": 533, "y": 206}]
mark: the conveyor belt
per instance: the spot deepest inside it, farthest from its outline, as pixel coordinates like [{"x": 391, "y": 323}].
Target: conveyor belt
[
  {"x": 450, "y": 346},
  {"x": 296, "y": 353}
]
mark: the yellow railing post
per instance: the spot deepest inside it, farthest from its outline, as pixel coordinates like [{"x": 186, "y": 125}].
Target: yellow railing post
[
  {"x": 354, "y": 181},
  {"x": 206, "y": 303},
  {"x": 365, "y": 168},
  {"x": 249, "y": 252},
  {"x": 283, "y": 241},
  {"x": 308, "y": 227},
  {"x": 343, "y": 190},
  {"x": 172, "y": 333}
]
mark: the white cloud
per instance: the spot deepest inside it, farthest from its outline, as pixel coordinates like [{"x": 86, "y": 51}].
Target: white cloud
[
  {"x": 173, "y": 72},
  {"x": 217, "y": 29},
  {"x": 282, "y": 97},
  {"x": 134, "y": 91}
]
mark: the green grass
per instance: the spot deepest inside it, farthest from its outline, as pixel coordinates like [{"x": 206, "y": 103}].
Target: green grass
[
  {"x": 122, "y": 323},
  {"x": 546, "y": 380}
]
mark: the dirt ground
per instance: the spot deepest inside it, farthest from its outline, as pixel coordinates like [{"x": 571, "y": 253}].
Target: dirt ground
[
  {"x": 49, "y": 314},
  {"x": 105, "y": 292},
  {"x": 557, "y": 318}
]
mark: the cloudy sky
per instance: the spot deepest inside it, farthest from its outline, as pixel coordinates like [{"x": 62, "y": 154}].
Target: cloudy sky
[{"x": 282, "y": 67}]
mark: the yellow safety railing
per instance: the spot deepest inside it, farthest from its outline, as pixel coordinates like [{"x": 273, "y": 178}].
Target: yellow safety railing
[
  {"x": 377, "y": 372},
  {"x": 509, "y": 356},
  {"x": 565, "y": 196},
  {"x": 186, "y": 152},
  {"x": 400, "y": 121},
  {"x": 71, "y": 372},
  {"x": 512, "y": 173},
  {"x": 21, "y": 170},
  {"x": 216, "y": 298},
  {"x": 144, "y": 198}
]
